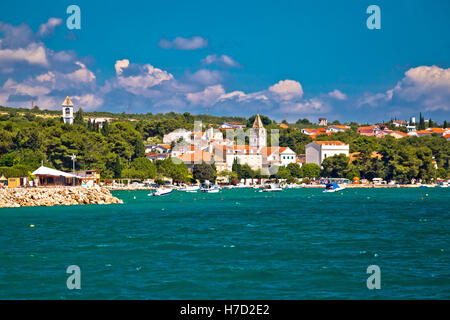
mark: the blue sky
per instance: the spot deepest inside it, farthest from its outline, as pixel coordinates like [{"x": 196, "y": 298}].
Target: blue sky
[{"x": 286, "y": 59}]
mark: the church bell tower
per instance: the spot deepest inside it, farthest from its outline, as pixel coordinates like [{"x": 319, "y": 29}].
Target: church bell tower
[
  {"x": 67, "y": 111},
  {"x": 258, "y": 134}
]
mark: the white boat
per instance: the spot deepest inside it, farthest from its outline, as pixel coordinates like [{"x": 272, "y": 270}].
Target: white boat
[
  {"x": 191, "y": 189},
  {"x": 161, "y": 192},
  {"x": 272, "y": 187},
  {"x": 209, "y": 188},
  {"x": 442, "y": 184},
  {"x": 242, "y": 186},
  {"x": 333, "y": 187}
]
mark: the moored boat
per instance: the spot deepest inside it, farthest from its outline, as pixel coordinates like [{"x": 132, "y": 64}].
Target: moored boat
[
  {"x": 161, "y": 192},
  {"x": 333, "y": 187},
  {"x": 272, "y": 187},
  {"x": 209, "y": 188},
  {"x": 191, "y": 189}
]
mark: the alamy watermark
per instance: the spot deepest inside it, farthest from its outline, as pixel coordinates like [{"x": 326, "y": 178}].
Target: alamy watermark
[
  {"x": 74, "y": 280},
  {"x": 74, "y": 20},
  {"x": 374, "y": 20},
  {"x": 374, "y": 280}
]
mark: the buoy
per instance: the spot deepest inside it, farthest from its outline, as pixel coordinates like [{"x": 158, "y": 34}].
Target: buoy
[
  {"x": 195, "y": 198},
  {"x": 221, "y": 198},
  {"x": 31, "y": 225},
  {"x": 134, "y": 197},
  {"x": 427, "y": 194}
]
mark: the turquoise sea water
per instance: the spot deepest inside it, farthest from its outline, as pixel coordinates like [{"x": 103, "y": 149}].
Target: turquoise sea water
[{"x": 298, "y": 244}]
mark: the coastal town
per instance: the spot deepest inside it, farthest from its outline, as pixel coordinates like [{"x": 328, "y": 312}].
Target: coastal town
[{"x": 234, "y": 146}]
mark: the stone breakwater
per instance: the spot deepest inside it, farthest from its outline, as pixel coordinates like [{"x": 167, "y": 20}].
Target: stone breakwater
[{"x": 33, "y": 197}]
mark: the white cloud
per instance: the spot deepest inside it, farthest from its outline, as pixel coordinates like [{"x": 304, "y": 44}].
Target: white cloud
[
  {"x": 48, "y": 28},
  {"x": 287, "y": 89},
  {"x": 337, "y": 95},
  {"x": 180, "y": 43},
  {"x": 34, "y": 54},
  {"x": 88, "y": 101},
  {"x": 82, "y": 74},
  {"x": 240, "y": 96},
  {"x": 23, "y": 88},
  {"x": 206, "y": 77},
  {"x": 220, "y": 60},
  {"x": 143, "y": 77},
  {"x": 46, "y": 77},
  {"x": 423, "y": 87},
  {"x": 209, "y": 96},
  {"x": 312, "y": 106},
  {"x": 120, "y": 65}
]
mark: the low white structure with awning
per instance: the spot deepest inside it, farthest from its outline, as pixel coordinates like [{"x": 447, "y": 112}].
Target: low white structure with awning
[{"x": 49, "y": 176}]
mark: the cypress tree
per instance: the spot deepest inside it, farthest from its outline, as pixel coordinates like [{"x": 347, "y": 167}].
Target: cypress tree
[
  {"x": 445, "y": 125},
  {"x": 105, "y": 129},
  {"x": 237, "y": 168},
  {"x": 421, "y": 122},
  {"x": 79, "y": 116},
  {"x": 117, "y": 168},
  {"x": 139, "y": 150}
]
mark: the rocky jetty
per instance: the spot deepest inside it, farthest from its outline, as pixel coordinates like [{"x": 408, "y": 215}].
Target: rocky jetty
[{"x": 31, "y": 197}]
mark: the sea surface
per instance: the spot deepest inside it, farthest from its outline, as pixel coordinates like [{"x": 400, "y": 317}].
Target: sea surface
[{"x": 238, "y": 244}]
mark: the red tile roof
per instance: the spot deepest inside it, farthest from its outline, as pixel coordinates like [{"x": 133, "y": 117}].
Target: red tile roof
[{"x": 330, "y": 143}]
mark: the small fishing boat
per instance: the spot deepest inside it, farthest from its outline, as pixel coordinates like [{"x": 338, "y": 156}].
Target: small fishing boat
[
  {"x": 272, "y": 187},
  {"x": 161, "y": 192},
  {"x": 333, "y": 187}
]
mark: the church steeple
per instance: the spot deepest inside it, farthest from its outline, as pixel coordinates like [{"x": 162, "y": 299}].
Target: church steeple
[
  {"x": 67, "y": 111},
  {"x": 257, "y": 124},
  {"x": 258, "y": 135}
]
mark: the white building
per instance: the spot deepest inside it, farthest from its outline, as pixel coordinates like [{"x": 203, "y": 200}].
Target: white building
[
  {"x": 176, "y": 135},
  {"x": 318, "y": 151},
  {"x": 100, "y": 121},
  {"x": 224, "y": 157},
  {"x": 337, "y": 128},
  {"x": 398, "y": 123},
  {"x": 232, "y": 125},
  {"x": 280, "y": 156},
  {"x": 323, "y": 122},
  {"x": 67, "y": 111}
]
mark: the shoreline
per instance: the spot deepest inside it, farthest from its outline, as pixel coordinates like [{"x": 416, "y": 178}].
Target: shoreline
[
  {"x": 308, "y": 186},
  {"x": 59, "y": 196}
]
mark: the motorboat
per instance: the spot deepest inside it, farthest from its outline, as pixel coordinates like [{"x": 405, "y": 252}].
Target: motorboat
[
  {"x": 209, "y": 188},
  {"x": 161, "y": 192},
  {"x": 190, "y": 189},
  {"x": 333, "y": 187},
  {"x": 272, "y": 187}
]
